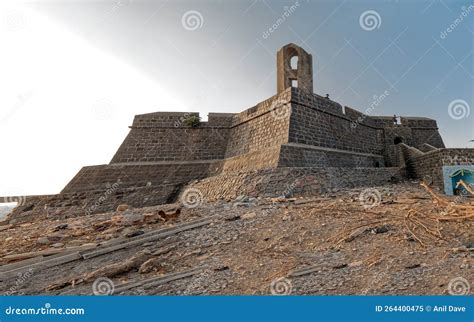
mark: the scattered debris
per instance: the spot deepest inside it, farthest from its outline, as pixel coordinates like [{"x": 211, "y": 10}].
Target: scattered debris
[
  {"x": 151, "y": 265},
  {"x": 338, "y": 246}
]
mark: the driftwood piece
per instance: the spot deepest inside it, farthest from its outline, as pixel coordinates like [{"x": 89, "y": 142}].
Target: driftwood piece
[
  {"x": 153, "y": 264},
  {"x": 47, "y": 263},
  {"x": 466, "y": 186},
  {"x": 8, "y": 267},
  {"x": 111, "y": 270},
  {"x": 155, "y": 281},
  {"x": 149, "y": 237},
  {"x": 115, "y": 269},
  {"x": 48, "y": 252},
  {"x": 305, "y": 271},
  {"x": 440, "y": 200}
]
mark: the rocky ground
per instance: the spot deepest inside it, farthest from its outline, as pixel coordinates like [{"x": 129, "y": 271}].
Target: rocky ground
[{"x": 392, "y": 239}]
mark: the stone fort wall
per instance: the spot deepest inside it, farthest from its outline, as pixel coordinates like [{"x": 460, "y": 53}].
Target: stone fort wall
[
  {"x": 428, "y": 166},
  {"x": 294, "y": 128}
]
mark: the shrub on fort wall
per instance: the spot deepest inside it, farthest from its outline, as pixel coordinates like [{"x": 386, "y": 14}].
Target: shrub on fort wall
[{"x": 192, "y": 120}]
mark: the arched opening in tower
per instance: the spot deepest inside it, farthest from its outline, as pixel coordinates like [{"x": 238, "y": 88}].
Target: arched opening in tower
[{"x": 294, "y": 62}]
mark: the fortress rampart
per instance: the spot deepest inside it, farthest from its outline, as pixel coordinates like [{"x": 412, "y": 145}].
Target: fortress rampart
[{"x": 293, "y": 130}]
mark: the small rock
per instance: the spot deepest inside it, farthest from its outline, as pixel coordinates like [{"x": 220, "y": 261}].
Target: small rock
[
  {"x": 134, "y": 233},
  {"x": 411, "y": 266},
  {"x": 43, "y": 241},
  {"x": 57, "y": 245},
  {"x": 381, "y": 229},
  {"x": 338, "y": 266},
  {"x": 60, "y": 227},
  {"x": 232, "y": 217}
]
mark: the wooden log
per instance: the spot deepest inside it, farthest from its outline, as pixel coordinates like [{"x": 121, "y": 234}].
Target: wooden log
[
  {"x": 305, "y": 271},
  {"x": 152, "y": 236},
  {"x": 41, "y": 265},
  {"x": 48, "y": 252},
  {"x": 115, "y": 269},
  {"x": 155, "y": 281},
  {"x": 25, "y": 262}
]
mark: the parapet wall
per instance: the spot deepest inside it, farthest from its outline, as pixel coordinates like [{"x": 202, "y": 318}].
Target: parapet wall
[
  {"x": 165, "y": 137},
  {"x": 321, "y": 124}
]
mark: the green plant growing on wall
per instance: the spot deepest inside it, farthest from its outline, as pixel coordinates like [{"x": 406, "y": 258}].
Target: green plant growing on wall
[{"x": 192, "y": 120}]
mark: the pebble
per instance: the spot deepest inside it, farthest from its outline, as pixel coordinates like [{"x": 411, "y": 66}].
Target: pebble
[
  {"x": 43, "y": 241},
  {"x": 57, "y": 245}
]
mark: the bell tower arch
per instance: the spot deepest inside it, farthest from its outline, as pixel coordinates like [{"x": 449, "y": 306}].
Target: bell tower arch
[{"x": 294, "y": 68}]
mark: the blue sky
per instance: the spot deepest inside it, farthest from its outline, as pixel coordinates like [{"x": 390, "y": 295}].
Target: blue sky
[{"x": 221, "y": 64}]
